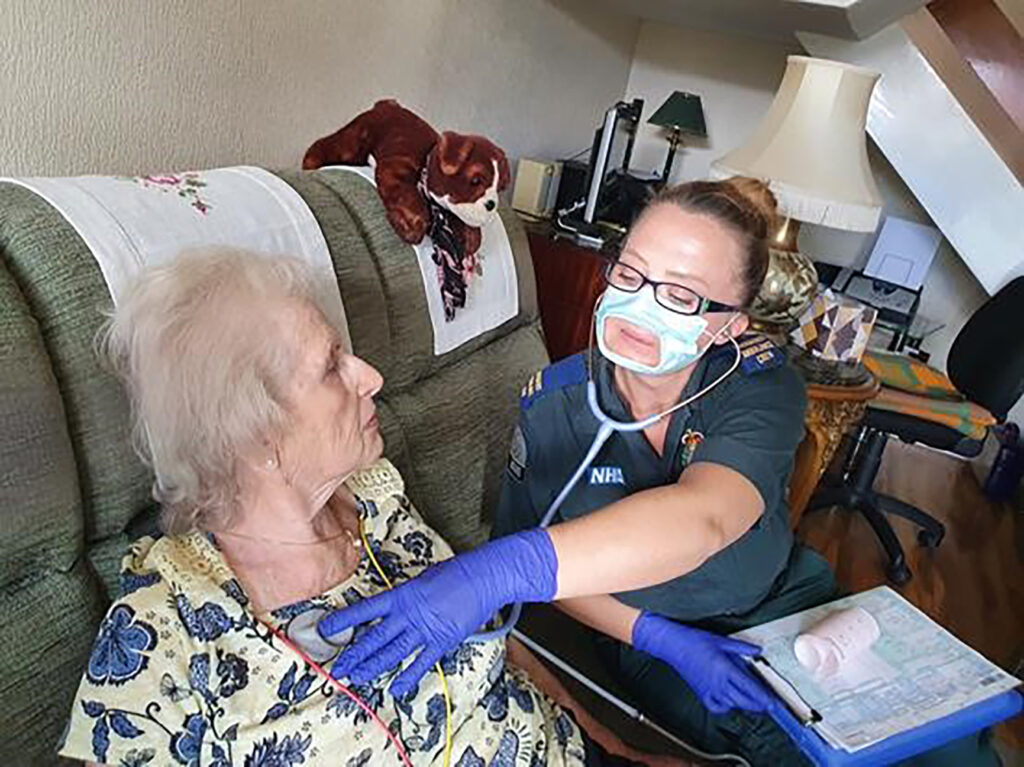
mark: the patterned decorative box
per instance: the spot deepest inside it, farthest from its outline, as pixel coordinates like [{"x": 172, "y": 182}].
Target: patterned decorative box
[{"x": 835, "y": 327}]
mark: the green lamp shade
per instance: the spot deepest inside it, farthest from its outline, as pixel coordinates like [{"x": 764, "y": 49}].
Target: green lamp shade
[{"x": 682, "y": 112}]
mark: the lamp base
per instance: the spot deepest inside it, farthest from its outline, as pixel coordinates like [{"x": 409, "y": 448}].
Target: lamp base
[
  {"x": 789, "y": 286},
  {"x": 673, "y": 144}
]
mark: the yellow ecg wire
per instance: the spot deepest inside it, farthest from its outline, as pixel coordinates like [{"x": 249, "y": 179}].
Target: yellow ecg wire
[{"x": 440, "y": 671}]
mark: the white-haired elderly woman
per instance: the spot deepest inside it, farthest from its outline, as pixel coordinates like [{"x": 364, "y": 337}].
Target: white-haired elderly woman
[{"x": 263, "y": 437}]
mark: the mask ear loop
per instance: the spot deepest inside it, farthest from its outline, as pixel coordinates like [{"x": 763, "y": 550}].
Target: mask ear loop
[
  {"x": 590, "y": 339},
  {"x": 732, "y": 369}
]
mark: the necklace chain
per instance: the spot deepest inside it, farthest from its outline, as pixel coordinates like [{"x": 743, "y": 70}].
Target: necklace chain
[{"x": 356, "y": 544}]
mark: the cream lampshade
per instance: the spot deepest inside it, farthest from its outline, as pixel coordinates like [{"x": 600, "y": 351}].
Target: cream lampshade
[{"x": 812, "y": 152}]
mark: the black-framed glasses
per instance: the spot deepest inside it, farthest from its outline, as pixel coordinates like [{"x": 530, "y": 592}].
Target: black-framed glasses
[{"x": 674, "y": 297}]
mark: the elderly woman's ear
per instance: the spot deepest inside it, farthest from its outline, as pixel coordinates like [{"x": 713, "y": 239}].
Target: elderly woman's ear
[
  {"x": 262, "y": 460},
  {"x": 271, "y": 456}
]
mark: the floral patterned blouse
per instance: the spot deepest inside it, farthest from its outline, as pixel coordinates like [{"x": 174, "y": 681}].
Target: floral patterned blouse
[{"x": 184, "y": 671}]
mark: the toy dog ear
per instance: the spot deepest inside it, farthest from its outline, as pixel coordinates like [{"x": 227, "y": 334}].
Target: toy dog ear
[
  {"x": 311, "y": 160},
  {"x": 504, "y": 174},
  {"x": 453, "y": 151}
]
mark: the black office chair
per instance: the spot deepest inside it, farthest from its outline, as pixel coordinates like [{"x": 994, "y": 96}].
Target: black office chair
[{"x": 986, "y": 365}]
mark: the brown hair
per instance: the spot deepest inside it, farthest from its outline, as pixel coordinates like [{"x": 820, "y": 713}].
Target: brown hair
[{"x": 745, "y": 205}]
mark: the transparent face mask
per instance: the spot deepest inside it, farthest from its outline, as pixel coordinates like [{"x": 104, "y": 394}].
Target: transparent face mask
[
  {"x": 688, "y": 352},
  {"x": 678, "y": 335}
]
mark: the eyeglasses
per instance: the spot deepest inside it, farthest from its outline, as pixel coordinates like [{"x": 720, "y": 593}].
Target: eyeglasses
[{"x": 675, "y": 298}]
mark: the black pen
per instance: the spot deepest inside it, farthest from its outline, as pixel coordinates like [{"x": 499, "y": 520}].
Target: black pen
[{"x": 796, "y": 704}]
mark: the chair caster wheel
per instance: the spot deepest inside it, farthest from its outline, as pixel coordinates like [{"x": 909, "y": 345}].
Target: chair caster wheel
[
  {"x": 930, "y": 539},
  {"x": 899, "y": 573}
]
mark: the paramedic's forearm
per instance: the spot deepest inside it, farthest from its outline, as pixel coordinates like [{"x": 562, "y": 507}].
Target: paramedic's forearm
[
  {"x": 655, "y": 535},
  {"x": 604, "y": 613}
]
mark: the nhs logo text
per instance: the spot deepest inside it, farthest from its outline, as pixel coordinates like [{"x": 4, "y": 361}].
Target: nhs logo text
[{"x": 606, "y": 475}]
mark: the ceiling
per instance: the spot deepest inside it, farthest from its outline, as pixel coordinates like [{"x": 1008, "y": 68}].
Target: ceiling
[{"x": 773, "y": 19}]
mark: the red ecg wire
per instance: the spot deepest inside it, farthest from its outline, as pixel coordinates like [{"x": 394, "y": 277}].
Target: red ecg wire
[{"x": 351, "y": 695}]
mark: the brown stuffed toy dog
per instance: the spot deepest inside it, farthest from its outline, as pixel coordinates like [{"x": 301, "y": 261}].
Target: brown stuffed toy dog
[{"x": 461, "y": 173}]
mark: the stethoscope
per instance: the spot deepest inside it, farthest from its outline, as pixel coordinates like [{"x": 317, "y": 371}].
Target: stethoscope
[{"x": 608, "y": 426}]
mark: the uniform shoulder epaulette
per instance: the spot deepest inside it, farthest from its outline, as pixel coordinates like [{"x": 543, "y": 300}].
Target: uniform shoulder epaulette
[
  {"x": 568, "y": 372},
  {"x": 759, "y": 353}
]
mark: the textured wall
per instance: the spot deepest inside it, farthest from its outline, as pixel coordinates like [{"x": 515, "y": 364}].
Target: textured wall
[
  {"x": 128, "y": 86},
  {"x": 735, "y": 77}
]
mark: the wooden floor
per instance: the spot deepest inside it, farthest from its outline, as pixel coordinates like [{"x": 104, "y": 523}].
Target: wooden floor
[{"x": 973, "y": 584}]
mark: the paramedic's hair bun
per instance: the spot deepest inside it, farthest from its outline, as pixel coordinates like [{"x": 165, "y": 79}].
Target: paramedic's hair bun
[{"x": 758, "y": 200}]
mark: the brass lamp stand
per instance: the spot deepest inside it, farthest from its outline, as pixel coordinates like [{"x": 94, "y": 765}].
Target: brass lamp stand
[{"x": 789, "y": 285}]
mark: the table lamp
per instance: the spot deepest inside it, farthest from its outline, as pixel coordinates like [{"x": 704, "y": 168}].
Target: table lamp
[
  {"x": 681, "y": 113},
  {"x": 811, "y": 150}
]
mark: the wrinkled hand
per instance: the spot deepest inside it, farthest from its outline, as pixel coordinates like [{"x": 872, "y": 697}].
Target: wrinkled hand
[
  {"x": 437, "y": 610},
  {"x": 711, "y": 665}
]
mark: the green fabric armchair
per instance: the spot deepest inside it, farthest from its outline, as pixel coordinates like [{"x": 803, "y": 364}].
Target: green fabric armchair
[{"x": 72, "y": 493}]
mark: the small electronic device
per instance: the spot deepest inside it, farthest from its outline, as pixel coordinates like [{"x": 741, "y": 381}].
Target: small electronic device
[
  {"x": 572, "y": 187},
  {"x": 536, "y": 187},
  {"x": 612, "y": 148},
  {"x": 894, "y": 302},
  {"x": 612, "y": 195}
]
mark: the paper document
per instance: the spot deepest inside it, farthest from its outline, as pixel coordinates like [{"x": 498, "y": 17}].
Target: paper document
[
  {"x": 903, "y": 252},
  {"x": 914, "y": 673}
]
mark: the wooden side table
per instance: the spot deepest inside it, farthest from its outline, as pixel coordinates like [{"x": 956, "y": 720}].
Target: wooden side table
[
  {"x": 569, "y": 280},
  {"x": 832, "y": 411}
]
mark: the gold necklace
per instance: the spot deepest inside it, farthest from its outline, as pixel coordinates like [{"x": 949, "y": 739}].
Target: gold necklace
[{"x": 355, "y": 542}]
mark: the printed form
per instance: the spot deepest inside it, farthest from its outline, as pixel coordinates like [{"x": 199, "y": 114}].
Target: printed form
[{"x": 914, "y": 673}]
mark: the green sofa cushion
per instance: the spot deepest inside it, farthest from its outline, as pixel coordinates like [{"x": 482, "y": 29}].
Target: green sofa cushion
[
  {"x": 39, "y": 502},
  {"x": 50, "y": 624},
  {"x": 66, "y": 293},
  {"x": 457, "y": 425},
  {"x": 366, "y": 304},
  {"x": 402, "y": 326}
]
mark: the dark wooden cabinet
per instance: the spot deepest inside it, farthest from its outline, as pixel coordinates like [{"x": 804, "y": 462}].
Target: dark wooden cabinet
[{"x": 569, "y": 280}]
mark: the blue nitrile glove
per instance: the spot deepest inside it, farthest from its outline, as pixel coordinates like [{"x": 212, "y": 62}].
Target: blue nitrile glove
[
  {"x": 712, "y": 665},
  {"x": 446, "y": 603}
]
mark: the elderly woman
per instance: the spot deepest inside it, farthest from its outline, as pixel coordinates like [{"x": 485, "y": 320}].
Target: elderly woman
[{"x": 278, "y": 508}]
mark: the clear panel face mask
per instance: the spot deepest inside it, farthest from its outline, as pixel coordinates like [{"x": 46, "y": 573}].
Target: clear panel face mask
[
  {"x": 678, "y": 334},
  {"x": 684, "y": 346}
]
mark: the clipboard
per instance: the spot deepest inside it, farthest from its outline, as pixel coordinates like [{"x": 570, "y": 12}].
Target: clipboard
[
  {"x": 907, "y": 744},
  {"x": 891, "y": 670}
]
